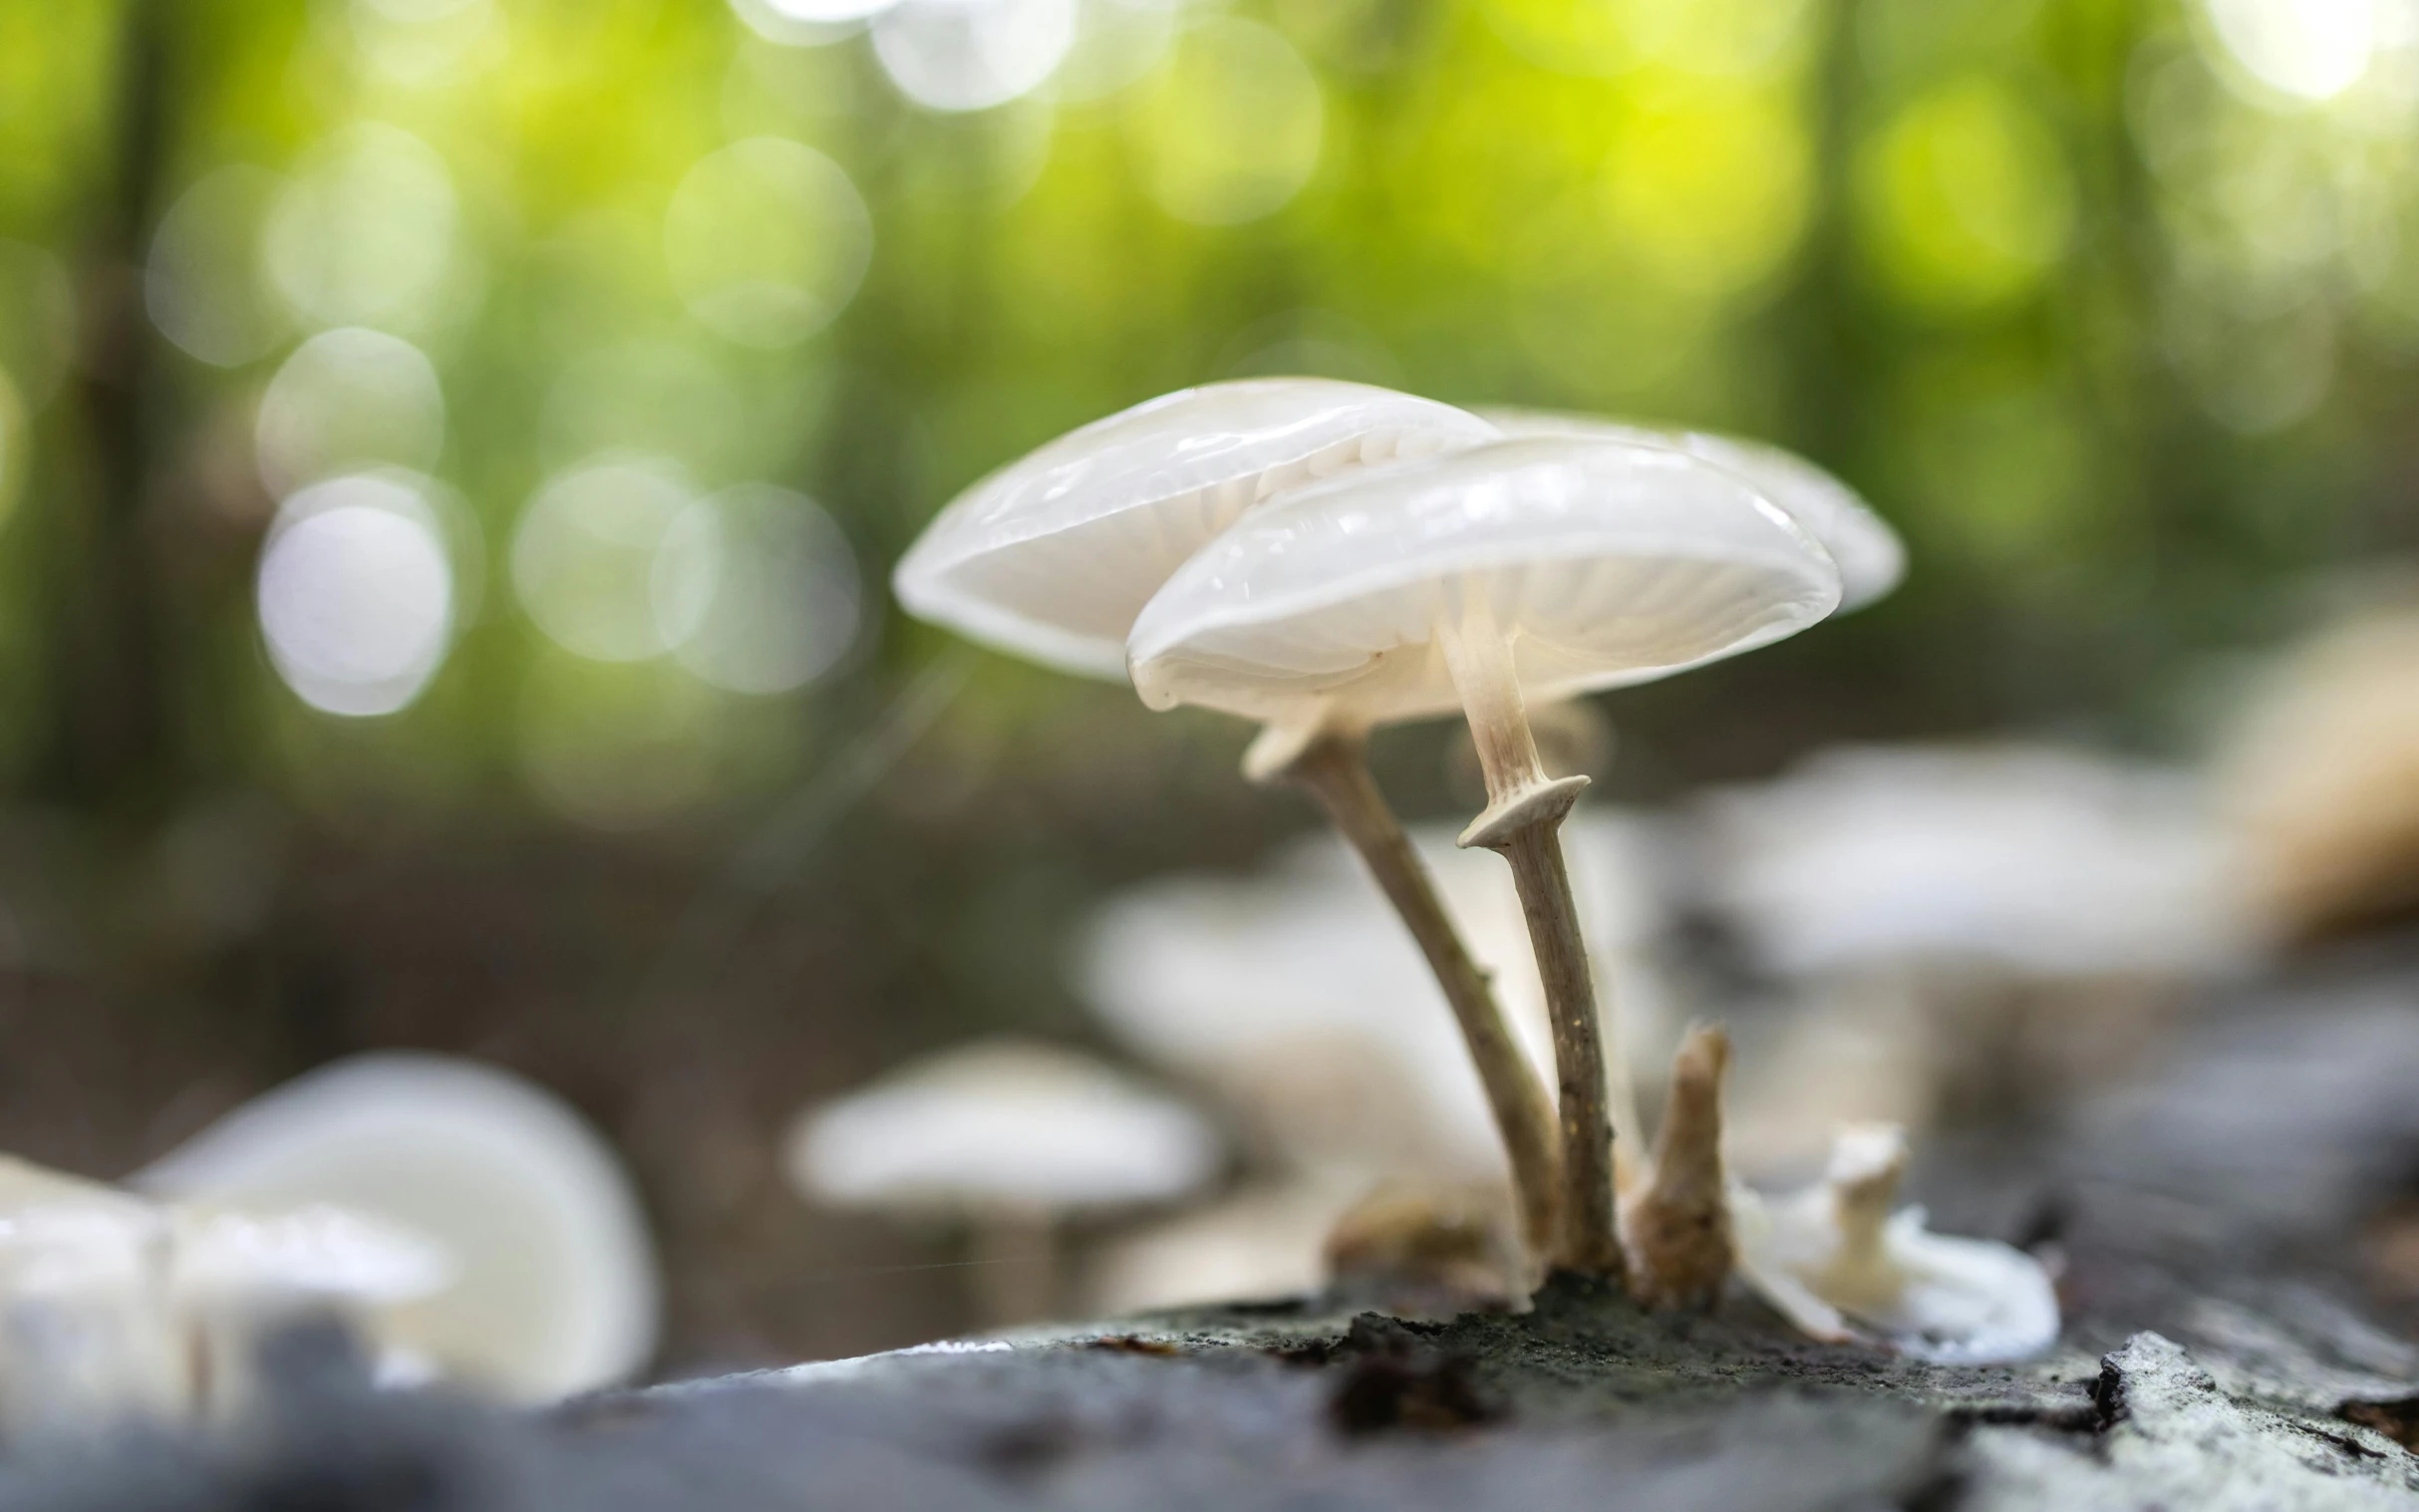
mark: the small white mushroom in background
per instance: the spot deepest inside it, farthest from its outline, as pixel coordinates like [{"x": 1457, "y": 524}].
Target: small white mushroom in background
[
  {"x": 1052, "y": 557},
  {"x": 1512, "y": 570},
  {"x": 1837, "y": 1263},
  {"x": 554, "y": 1286},
  {"x": 236, "y": 1278},
  {"x": 116, "y": 1310},
  {"x": 1961, "y": 918},
  {"x": 89, "y": 1335},
  {"x": 1011, "y": 1138}
]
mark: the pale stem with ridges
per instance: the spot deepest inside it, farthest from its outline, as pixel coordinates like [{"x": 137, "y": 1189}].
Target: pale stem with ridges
[
  {"x": 1522, "y": 823},
  {"x": 1333, "y": 766}
]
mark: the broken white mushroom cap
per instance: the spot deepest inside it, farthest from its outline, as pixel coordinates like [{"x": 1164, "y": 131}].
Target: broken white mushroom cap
[
  {"x": 1839, "y": 1264},
  {"x": 1001, "y": 1124},
  {"x": 554, "y": 1290},
  {"x": 1870, "y": 555},
  {"x": 1051, "y": 556}
]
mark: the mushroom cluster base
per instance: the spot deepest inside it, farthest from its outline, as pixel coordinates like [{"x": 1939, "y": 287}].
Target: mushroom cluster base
[{"x": 2232, "y": 1342}]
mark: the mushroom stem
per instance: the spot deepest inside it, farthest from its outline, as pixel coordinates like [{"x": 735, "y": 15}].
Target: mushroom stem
[
  {"x": 1015, "y": 1265},
  {"x": 1522, "y": 823},
  {"x": 1678, "y": 1225},
  {"x": 1334, "y": 767}
]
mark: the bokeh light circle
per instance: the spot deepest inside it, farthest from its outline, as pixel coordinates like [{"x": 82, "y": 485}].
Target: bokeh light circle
[
  {"x": 597, "y": 565},
  {"x": 1964, "y": 199},
  {"x": 806, "y": 23},
  {"x": 767, "y": 240},
  {"x": 2306, "y": 50},
  {"x": 1231, "y": 128},
  {"x": 347, "y": 400},
  {"x": 970, "y": 55},
  {"x": 355, "y": 594},
  {"x": 364, "y": 234},
  {"x": 1714, "y": 192},
  {"x": 1116, "y": 43},
  {"x": 202, "y": 282},
  {"x": 786, "y": 603}
]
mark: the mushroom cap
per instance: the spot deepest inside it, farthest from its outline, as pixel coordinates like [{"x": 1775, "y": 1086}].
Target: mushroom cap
[
  {"x": 1051, "y": 556},
  {"x": 1870, "y": 555},
  {"x": 1000, "y": 1125},
  {"x": 1607, "y": 563},
  {"x": 554, "y": 1290}
]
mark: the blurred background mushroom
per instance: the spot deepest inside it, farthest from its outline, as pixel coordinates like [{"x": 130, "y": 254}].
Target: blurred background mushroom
[
  {"x": 550, "y": 1275},
  {"x": 1010, "y": 1140},
  {"x": 1968, "y": 935},
  {"x": 452, "y": 456}
]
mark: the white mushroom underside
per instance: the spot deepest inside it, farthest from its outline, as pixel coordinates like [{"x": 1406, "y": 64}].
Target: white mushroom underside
[
  {"x": 1052, "y": 556},
  {"x": 1604, "y": 563},
  {"x": 1376, "y": 653}
]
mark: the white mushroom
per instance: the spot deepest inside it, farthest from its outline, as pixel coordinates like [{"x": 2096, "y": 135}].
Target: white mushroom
[
  {"x": 113, "y": 1307},
  {"x": 1051, "y": 557},
  {"x": 1870, "y": 556},
  {"x": 88, "y": 1333},
  {"x": 1011, "y": 1138},
  {"x": 1967, "y": 911},
  {"x": 1522, "y": 568},
  {"x": 1837, "y": 1262},
  {"x": 555, "y": 1288}
]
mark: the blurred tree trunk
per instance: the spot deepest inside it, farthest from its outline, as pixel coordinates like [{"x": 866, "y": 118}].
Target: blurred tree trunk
[{"x": 110, "y": 741}]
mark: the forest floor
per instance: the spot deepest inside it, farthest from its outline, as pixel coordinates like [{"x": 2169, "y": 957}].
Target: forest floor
[{"x": 2236, "y": 1235}]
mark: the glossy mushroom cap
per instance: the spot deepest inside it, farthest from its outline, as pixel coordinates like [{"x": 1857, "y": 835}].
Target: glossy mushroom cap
[
  {"x": 1607, "y": 563},
  {"x": 1000, "y": 1125},
  {"x": 554, "y": 1284},
  {"x": 1051, "y": 557},
  {"x": 1870, "y": 556}
]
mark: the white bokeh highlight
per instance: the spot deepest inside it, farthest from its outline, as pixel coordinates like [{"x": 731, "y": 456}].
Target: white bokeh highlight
[
  {"x": 356, "y": 595},
  {"x": 786, "y": 603},
  {"x": 971, "y": 55},
  {"x": 2306, "y": 50}
]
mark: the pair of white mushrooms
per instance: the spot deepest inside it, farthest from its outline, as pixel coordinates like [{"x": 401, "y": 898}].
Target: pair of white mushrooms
[
  {"x": 463, "y": 1223},
  {"x": 1323, "y": 558}
]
